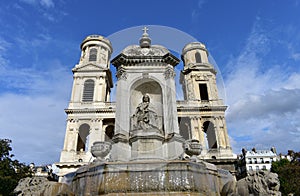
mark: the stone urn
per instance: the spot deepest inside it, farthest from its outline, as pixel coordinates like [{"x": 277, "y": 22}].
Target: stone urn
[
  {"x": 100, "y": 150},
  {"x": 192, "y": 147}
]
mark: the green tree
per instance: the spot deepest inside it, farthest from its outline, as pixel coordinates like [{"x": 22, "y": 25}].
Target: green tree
[
  {"x": 288, "y": 174},
  {"x": 11, "y": 171}
]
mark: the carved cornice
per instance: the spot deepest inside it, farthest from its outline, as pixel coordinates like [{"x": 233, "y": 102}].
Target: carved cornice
[
  {"x": 199, "y": 67},
  {"x": 201, "y": 108},
  {"x": 87, "y": 111},
  {"x": 89, "y": 67},
  {"x": 123, "y": 59}
]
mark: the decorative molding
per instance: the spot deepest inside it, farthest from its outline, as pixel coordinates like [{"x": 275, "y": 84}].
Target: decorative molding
[
  {"x": 190, "y": 90},
  {"x": 169, "y": 73},
  {"x": 96, "y": 119},
  {"x": 145, "y": 75},
  {"x": 72, "y": 120},
  {"x": 90, "y": 111},
  {"x": 121, "y": 73},
  {"x": 201, "y": 77}
]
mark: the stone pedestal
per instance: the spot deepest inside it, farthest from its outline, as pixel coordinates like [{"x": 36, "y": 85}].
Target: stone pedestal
[{"x": 146, "y": 144}]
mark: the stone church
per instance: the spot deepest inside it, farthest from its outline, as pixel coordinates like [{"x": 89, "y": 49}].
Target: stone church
[{"x": 145, "y": 105}]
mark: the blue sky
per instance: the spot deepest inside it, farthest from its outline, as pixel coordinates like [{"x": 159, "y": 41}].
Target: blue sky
[{"x": 256, "y": 45}]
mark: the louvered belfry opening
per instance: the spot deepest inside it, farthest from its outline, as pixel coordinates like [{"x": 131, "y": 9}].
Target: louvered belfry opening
[
  {"x": 88, "y": 91},
  {"x": 93, "y": 54}
]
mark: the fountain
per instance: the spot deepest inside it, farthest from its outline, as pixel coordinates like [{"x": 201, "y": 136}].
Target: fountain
[
  {"x": 148, "y": 170},
  {"x": 147, "y": 153},
  {"x": 153, "y": 177}
]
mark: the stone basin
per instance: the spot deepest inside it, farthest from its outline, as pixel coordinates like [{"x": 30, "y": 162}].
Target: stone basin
[{"x": 175, "y": 177}]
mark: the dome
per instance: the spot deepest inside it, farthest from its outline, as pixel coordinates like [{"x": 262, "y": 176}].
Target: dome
[
  {"x": 145, "y": 52},
  {"x": 93, "y": 38},
  {"x": 194, "y": 46},
  {"x": 153, "y": 50}
]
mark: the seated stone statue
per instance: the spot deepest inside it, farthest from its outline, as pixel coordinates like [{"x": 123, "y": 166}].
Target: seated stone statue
[
  {"x": 144, "y": 118},
  {"x": 142, "y": 112}
]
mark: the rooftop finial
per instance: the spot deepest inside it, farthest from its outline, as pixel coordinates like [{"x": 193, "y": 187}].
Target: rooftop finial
[
  {"x": 145, "y": 29},
  {"x": 145, "y": 40}
]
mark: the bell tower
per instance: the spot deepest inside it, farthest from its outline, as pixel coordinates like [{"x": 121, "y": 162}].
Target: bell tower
[
  {"x": 92, "y": 77},
  {"x": 203, "y": 111},
  {"x": 90, "y": 115}
]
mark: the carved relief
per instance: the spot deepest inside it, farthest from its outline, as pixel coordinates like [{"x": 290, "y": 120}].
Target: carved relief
[
  {"x": 201, "y": 77},
  {"x": 102, "y": 58},
  {"x": 136, "y": 50},
  {"x": 190, "y": 90},
  {"x": 121, "y": 74},
  {"x": 169, "y": 73}
]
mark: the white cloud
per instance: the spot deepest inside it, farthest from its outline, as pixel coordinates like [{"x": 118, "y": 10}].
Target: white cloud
[
  {"x": 45, "y": 8},
  {"x": 296, "y": 56},
  {"x": 44, "y": 3},
  {"x": 31, "y": 2},
  {"x": 35, "y": 125},
  {"x": 195, "y": 12},
  {"x": 29, "y": 44},
  {"x": 201, "y": 3},
  {"x": 264, "y": 105},
  {"x": 47, "y": 3},
  {"x": 4, "y": 45},
  {"x": 32, "y": 111}
]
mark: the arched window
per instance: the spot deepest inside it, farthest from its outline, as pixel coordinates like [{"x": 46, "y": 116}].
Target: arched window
[
  {"x": 109, "y": 132},
  {"x": 83, "y": 138},
  {"x": 88, "y": 91},
  {"x": 198, "y": 57},
  {"x": 209, "y": 129},
  {"x": 93, "y": 54}
]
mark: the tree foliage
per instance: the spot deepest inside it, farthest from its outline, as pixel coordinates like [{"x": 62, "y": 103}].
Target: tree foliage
[
  {"x": 288, "y": 174},
  {"x": 11, "y": 171}
]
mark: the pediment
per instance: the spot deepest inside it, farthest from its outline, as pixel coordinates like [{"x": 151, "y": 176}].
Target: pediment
[{"x": 89, "y": 67}]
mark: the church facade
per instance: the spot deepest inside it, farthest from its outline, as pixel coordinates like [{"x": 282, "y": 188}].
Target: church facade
[{"x": 145, "y": 101}]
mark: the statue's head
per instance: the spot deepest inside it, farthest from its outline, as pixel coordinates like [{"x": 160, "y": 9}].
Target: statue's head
[{"x": 146, "y": 98}]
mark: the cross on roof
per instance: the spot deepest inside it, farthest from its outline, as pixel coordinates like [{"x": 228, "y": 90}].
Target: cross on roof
[{"x": 145, "y": 29}]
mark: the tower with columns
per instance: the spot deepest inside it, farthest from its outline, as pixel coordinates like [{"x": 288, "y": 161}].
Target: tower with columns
[
  {"x": 90, "y": 114},
  {"x": 202, "y": 112}
]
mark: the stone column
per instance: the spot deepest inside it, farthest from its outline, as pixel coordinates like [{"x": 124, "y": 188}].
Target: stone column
[
  {"x": 217, "y": 131},
  {"x": 120, "y": 149},
  {"x": 97, "y": 94},
  {"x": 77, "y": 89},
  {"x": 75, "y": 136},
  {"x": 96, "y": 131},
  {"x": 169, "y": 102},
  {"x": 225, "y": 133},
  {"x": 195, "y": 128},
  {"x": 174, "y": 142}
]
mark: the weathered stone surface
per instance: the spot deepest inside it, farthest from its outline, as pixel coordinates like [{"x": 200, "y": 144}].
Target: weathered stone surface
[
  {"x": 259, "y": 183},
  {"x": 154, "y": 178},
  {"x": 40, "y": 186},
  {"x": 151, "y": 177}
]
